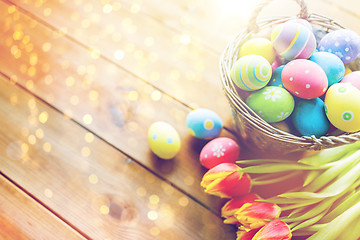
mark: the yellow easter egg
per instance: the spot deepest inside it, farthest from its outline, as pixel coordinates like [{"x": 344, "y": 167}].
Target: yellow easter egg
[
  {"x": 347, "y": 70},
  {"x": 164, "y": 140},
  {"x": 342, "y": 107},
  {"x": 258, "y": 46}
]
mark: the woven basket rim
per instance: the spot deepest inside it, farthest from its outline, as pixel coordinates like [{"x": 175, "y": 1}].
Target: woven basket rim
[{"x": 229, "y": 56}]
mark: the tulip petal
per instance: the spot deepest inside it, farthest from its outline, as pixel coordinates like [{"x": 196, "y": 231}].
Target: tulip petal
[
  {"x": 274, "y": 230},
  {"x": 226, "y": 180},
  {"x": 230, "y": 208},
  {"x": 257, "y": 214},
  {"x": 245, "y": 234}
]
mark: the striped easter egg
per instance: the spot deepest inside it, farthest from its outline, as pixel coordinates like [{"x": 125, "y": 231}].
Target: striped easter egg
[
  {"x": 292, "y": 40},
  {"x": 251, "y": 72}
]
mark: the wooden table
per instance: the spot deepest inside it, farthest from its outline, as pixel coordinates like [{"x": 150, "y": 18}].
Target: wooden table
[{"x": 82, "y": 80}]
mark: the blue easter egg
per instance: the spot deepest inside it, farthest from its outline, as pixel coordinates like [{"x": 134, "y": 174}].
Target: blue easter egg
[
  {"x": 203, "y": 123},
  {"x": 319, "y": 33},
  {"x": 276, "y": 77},
  {"x": 331, "y": 64},
  {"x": 343, "y": 43},
  {"x": 309, "y": 117}
]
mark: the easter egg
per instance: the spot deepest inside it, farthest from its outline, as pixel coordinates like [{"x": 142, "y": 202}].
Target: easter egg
[
  {"x": 277, "y": 63},
  {"x": 164, "y": 140},
  {"x": 258, "y": 46},
  {"x": 203, "y": 123},
  {"x": 309, "y": 117},
  {"x": 347, "y": 70},
  {"x": 342, "y": 107},
  {"x": 319, "y": 33},
  {"x": 353, "y": 78},
  {"x": 276, "y": 77},
  {"x": 332, "y": 65},
  {"x": 343, "y": 43},
  {"x": 293, "y": 40},
  {"x": 251, "y": 72},
  {"x": 219, "y": 150},
  {"x": 273, "y": 104},
  {"x": 304, "y": 79}
]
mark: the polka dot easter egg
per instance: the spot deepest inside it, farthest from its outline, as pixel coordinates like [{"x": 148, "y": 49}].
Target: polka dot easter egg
[
  {"x": 304, "y": 79},
  {"x": 352, "y": 78},
  {"x": 251, "y": 72},
  {"x": 276, "y": 77},
  {"x": 164, "y": 140},
  {"x": 343, "y": 43},
  {"x": 293, "y": 40},
  {"x": 342, "y": 107},
  {"x": 203, "y": 123},
  {"x": 219, "y": 150},
  {"x": 273, "y": 104},
  {"x": 309, "y": 117},
  {"x": 258, "y": 46},
  {"x": 332, "y": 65}
]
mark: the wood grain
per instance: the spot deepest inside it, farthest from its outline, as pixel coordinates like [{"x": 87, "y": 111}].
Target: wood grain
[
  {"x": 104, "y": 194},
  {"x": 97, "y": 94},
  {"x": 142, "y": 46},
  {"x": 22, "y": 218}
]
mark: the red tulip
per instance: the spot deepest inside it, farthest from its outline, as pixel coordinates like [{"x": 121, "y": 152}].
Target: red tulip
[
  {"x": 274, "y": 230},
  {"x": 242, "y": 234},
  {"x": 226, "y": 180},
  {"x": 254, "y": 215},
  {"x": 233, "y": 205}
]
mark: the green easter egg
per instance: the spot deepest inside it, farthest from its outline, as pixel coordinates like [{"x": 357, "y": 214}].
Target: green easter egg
[{"x": 273, "y": 104}]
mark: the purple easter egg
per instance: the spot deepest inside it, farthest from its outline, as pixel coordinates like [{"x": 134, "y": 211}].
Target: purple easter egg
[{"x": 343, "y": 43}]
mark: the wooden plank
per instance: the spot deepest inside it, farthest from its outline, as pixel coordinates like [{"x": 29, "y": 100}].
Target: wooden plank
[
  {"x": 109, "y": 101},
  {"x": 142, "y": 46},
  {"x": 96, "y": 188},
  {"x": 348, "y": 6},
  {"x": 215, "y": 23},
  {"x": 21, "y": 217}
]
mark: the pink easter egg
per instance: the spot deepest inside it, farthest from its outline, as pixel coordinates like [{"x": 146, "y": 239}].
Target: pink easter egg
[
  {"x": 304, "y": 79},
  {"x": 219, "y": 150},
  {"x": 353, "y": 78}
]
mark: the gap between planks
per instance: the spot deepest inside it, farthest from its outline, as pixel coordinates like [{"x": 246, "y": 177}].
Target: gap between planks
[
  {"x": 45, "y": 207},
  {"x": 108, "y": 143}
]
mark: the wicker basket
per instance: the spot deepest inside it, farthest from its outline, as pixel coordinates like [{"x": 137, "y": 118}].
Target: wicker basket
[{"x": 251, "y": 128}]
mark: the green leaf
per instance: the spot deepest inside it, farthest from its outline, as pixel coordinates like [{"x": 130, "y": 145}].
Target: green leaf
[
  {"x": 330, "y": 155},
  {"x": 328, "y": 175},
  {"x": 300, "y": 203},
  {"x": 312, "y": 211},
  {"x": 342, "y": 207},
  {"x": 310, "y": 176},
  {"x": 256, "y": 181},
  {"x": 334, "y": 229},
  {"x": 309, "y": 230},
  {"x": 352, "y": 231},
  {"x": 273, "y": 168},
  {"x": 263, "y": 161},
  {"x": 309, "y": 222},
  {"x": 338, "y": 186}
]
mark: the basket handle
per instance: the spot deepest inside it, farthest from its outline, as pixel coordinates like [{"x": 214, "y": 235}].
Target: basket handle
[{"x": 253, "y": 19}]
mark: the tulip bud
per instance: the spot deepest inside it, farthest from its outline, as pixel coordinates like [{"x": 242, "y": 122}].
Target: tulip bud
[
  {"x": 233, "y": 205},
  {"x": 243, "y": 234},
  {"x": 274, "y": 230},
  {"x": 257, "y": 214},
  {"x": 226, "y": 180}
]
